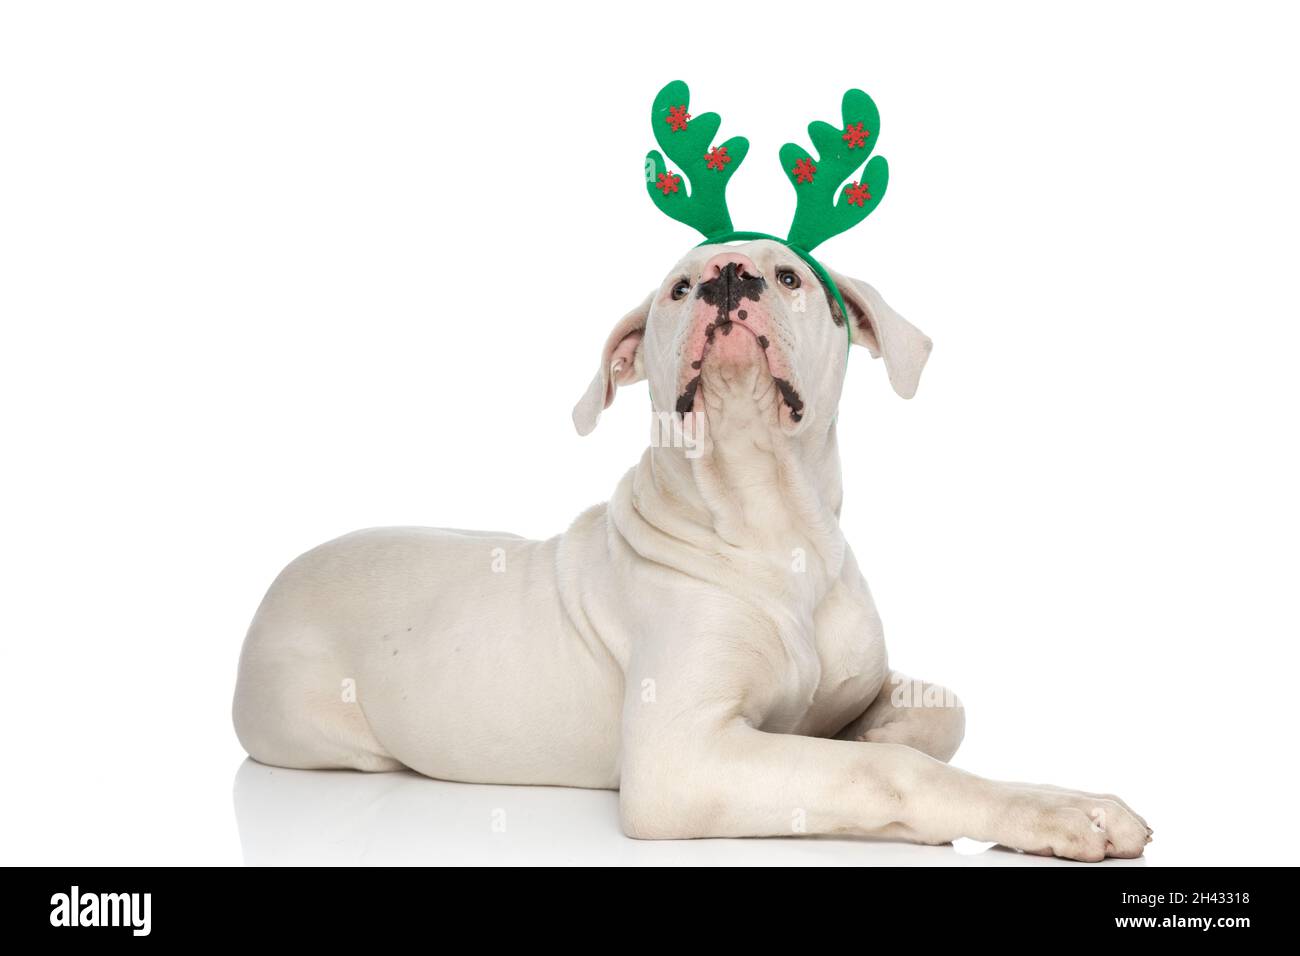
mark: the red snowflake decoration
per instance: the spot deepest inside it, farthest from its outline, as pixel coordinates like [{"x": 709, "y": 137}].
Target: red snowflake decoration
[
  {"x": 717, "y": 158},
  {"x": 855, "y": 136},
  {"x": 858, "y": 195},
  {"x": 677, "y": 118},
  {"x": 668, "y": 182},
  {"x": 803, "y": 171}
]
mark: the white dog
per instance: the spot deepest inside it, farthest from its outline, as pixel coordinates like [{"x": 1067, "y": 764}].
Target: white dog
[{"x": 704, "y": 642}]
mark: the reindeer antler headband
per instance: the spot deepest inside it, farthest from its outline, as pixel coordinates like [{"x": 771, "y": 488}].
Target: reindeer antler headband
[{"x": 688, "y": 140}]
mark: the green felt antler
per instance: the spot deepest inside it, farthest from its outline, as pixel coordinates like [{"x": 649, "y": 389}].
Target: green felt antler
[
  {"x": 688, "y": 142},
  {"x": 840, "y": 154}
]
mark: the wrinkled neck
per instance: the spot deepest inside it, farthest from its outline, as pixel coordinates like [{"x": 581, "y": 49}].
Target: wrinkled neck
[{"x": 744, "y": 485}]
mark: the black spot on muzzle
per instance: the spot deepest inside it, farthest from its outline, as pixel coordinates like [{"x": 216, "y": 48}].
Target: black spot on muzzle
[
  {"x": 686, "y": 401},
  {"x": 790, "y": 396}
]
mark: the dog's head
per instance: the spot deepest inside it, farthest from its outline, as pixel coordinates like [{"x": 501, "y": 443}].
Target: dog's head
[{"x": 751, "y": 320}]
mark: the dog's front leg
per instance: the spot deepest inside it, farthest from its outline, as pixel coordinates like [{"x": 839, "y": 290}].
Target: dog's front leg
[
  {"x": 741, "y": 782},
  {"x": 925, "y": 717},
  {"x": 695, "y": 764}
]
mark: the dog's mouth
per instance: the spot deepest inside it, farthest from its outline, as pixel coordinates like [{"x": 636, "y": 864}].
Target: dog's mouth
[{"x": 735, "y": 342}]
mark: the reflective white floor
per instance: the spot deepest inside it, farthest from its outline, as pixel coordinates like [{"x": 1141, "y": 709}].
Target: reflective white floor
[{"x": 339, "y": 817}]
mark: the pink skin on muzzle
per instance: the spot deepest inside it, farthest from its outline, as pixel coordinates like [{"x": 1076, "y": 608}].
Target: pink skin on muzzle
[{"x": 731, "y": 325}]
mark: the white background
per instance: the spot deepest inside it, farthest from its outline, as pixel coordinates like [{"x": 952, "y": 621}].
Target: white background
[{"x": 270, "y": 272}]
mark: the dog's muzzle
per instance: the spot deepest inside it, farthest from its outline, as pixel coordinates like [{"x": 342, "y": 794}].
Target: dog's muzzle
[{"x": 732, "y": 324}]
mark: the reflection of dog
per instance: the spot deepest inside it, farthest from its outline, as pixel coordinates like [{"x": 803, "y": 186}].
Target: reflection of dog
[{"x": 704, "y": 642}]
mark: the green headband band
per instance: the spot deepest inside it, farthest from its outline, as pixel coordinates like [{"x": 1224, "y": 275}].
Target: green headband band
[{"x": 819, "y": 214}]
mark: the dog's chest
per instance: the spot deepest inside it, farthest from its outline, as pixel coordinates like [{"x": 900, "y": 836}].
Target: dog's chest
[
  {"x": 854, "y": 668},
  {"x": 836, "y": 665}
]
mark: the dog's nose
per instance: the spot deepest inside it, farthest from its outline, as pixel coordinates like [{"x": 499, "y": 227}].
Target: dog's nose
[{"x": 742, "y": 267}]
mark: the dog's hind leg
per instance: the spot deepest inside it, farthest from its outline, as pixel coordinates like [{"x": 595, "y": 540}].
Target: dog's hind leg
[
  {"x": 296, "y": 714},
  {"x": 297, "y": 706},
  {"x": 925, "y": 717}
]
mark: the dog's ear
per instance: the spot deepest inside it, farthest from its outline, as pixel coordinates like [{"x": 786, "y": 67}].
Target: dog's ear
[
  {"x": 620, "y": 364},
  {"x": 884, "y": 332}
]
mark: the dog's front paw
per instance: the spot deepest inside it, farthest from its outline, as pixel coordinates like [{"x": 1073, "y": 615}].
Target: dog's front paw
[{"x": 1077, "y": 826}]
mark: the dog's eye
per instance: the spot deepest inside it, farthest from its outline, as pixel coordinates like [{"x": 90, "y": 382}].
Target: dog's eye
[
  {"x": 788, "y": 278},
  {"x": 680, "y": 289}
]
